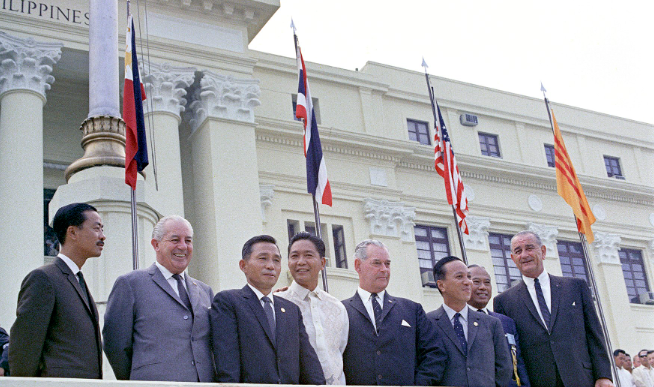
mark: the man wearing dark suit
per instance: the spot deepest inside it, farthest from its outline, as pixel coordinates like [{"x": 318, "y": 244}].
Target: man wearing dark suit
[
  {"x": 477, "y": 355},
  {"x": 482, "y": 290},
  {"x": 56, "y": 332},
  {"x": 156, "y": 326},
  {"x": 391, "y": 341},
  {"x": 561, "y": 338},
  {"x": 258, "y": 337}
]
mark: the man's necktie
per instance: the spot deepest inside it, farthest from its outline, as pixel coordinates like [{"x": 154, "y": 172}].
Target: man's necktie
[
  {"x": 541, "y": 302},
  {"x": 267, "y": 307},
  {"x": 377, "y": 310},
  {"x": 82, "y": 284},
  {"x": 481, "y": 310},
  {"x": 183, "y": 295},
  {"x": 458, "y": 329}
]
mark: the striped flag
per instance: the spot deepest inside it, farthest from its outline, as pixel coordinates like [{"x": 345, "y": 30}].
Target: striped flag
[
  {"x": 136, "y": 150},
  {"x": 446, "y": 166},
  {"x": 568, "y": 186},
  {"x": 317, "y": 181}
]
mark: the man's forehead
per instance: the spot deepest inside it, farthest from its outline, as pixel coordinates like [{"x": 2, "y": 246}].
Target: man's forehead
[
  {"x": 307, "y": 246},
  {"x": 265, "y": 247}
]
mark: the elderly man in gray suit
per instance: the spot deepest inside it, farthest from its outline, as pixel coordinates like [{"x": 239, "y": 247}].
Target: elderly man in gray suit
[{"x": 156, "y": 325}]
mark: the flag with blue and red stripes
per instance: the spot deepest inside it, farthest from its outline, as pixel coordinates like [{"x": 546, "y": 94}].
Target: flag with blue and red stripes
[
  {"x": 136, "y": 150},
  {"x": 317, "y": 181}
]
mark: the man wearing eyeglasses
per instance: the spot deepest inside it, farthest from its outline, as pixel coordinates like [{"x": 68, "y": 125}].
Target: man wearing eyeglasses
[{"x": 644, "y": 374}]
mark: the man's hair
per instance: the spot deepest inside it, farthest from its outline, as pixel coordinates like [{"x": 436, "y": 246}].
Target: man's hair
[
  {"x": 641, "y": 351},
  {"x": 361, "y": 250},
  {"x": 651, "y": 351},
  {"x": 70, "y": 215},
  {"x": 617, "y": 352},
  {"x": 159, "y": 229},
  {"x": 475, "y": 265},
  {"x": 317, "y": 242},
  {"x": 247, "y": 247},
  {"x": 439, "y": 268},
  {"x": 627, "y": 355},
  {"x": 527, "y": 232}
]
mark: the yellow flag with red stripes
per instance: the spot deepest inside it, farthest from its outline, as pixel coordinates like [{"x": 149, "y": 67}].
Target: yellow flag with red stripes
[{"x": 568, "y": 186}]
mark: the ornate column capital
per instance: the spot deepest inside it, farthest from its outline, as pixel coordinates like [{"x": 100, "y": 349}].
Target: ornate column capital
[
  {"x": 266, "y": 194},
  {"x": 390, "y": 218},
  {"x": 606, "y": 247},
  {"x": 26, "y": 64},
  {"x": 478, "y": 237},
  {"x": 223, "y": 96},
  {"x": 165, "y": 87},
  {"x": 547, "y": 235}
]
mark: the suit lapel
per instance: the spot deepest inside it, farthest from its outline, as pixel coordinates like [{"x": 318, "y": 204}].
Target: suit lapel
[
  {"x": 357, "y": 304},
  {"x": 555, "y": 298},
  {"x": 193, "y": 292},
  {"x": 446, "y": 325},
  {"x": 72, "y": 279},
  {"x": 522, "y": 290},
  {"x": 254, "y": 304},
  {"x": 159, "y": 279},
  {"x": 473, "y": 326},
  {"x": 389, "y": 303}
]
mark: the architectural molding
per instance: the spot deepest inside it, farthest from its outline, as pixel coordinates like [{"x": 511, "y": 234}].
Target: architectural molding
[
  {"x": 223, "y": 96},
  {"x": 392, "y": 219},
  {"x": 547, "y": 235},
  {"x": 606, "y": 247},
  {"x": 478, "y": 237},
  {"x": 165, "y": 87},
  {"x": 266, "y": 193},
  {"x": 26, "y": 64}
]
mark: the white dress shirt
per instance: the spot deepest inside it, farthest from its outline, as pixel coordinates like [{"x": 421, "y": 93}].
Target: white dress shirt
[
  {"x": 169, "y": 278},
  {"x": 544, "y": 280},
  {"x": 626, "y": 380},
  {"x": 72, "y": 265},
  {"x": 327, "y": 326},
  {"x": 464, "y": 317},
  {"x": 367, "y": 302},
  {"x": 263, "y": 303},
  {"x": 643, "y": 376}
]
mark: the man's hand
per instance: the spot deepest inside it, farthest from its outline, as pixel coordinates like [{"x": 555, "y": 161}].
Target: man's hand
[
  {"x": 603, "y": 382},
  {"x": 285, "y": 288},
  {"x": 2, "y": 371}
]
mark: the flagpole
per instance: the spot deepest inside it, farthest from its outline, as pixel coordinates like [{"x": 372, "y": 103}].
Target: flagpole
[
  {"x": 464, "y": 255},
  {"x": 135, "y": 236},
  {"x": 316, "y": 214},
  {"x": 591, "y": 272}
]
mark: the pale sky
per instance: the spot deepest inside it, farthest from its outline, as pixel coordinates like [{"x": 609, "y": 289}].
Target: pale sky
[{"x": 596, "y": 55}]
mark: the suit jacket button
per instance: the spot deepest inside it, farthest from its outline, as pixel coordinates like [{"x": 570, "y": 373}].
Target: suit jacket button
[
  {"x": 378, "y": 352},
  {"x": 185, "y": 317}
]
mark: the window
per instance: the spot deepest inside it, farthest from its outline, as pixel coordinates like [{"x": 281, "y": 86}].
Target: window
[
  {"x": 432, "y": 245},
  {"x": 613, "y": 167},
  {"x": 571, "y": 256},
  {"x": 419, "y": 131},
  {"x": 634, "y": 274},
  {"x": 340, "y": 258},
  {"x": 316, "y": 108},
  {"x": 505, "y": 270},
  {"x": 549, "y": 155},
  {"x": 489, "y": 145},
  {"x": 51, "y": 245}
]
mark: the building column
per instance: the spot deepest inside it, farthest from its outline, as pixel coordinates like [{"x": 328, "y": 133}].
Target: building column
[
  {"x": 227, "y": 204},
  {"x": 165, "y": 90},
  {"x": 24, "y": 79}
]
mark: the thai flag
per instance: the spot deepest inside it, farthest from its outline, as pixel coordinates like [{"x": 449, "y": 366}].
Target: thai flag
[
  {"x": 317, "y": 181},
  {"x": 136, "y": 150}
]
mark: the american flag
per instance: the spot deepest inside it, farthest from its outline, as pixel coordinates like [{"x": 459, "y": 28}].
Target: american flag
[
  {"x": 317, "y": 181},
  {"x": 446, "y": 166}
]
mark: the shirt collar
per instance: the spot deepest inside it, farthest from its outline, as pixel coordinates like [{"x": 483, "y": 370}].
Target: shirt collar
[
  {"x": 303, "y": 292},
  {"x": 365, "y": 295},
  {"x": 69, "y": 262},
  {"x": 451, "y": 312},
  {"x": 261, "y": 295},
  {"x": 543, "y": 277},
  {"x": 166, "y": 273}
]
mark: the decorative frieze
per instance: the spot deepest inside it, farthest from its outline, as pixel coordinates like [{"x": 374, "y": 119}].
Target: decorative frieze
[
  {"x": 547, "y": 236},
  {"x": 606, "y": 247},
  {"x": 266, "y": 194},
  {"x": 478, "y": 238},
  {"x": 390, "y": 218},
  {"x": 223, "y": 96},
  {"x": 27, "y": 64},
  {"x": 165, "y": 87}
]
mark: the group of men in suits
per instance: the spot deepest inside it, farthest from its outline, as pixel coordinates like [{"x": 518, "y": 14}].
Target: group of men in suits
[{"x": 162, "y": 324}]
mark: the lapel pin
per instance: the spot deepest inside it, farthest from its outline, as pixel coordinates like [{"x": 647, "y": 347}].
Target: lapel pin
[
  {"x": 574, "y": 303},
  {"x": 475, "y": 323},
  {"x": 283, "y": 310}
]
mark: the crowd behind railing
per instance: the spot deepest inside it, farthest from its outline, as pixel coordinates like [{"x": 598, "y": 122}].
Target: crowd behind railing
[{"x": 161, "y": 324}]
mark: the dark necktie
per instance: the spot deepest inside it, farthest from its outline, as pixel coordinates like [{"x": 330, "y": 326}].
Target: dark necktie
[
  {"x": 183, "y": 295},
  {"x": 542, "y": 304},
  {"x": 458, "y": 329},
  {"x": 267, "y": 307},
  {"x": 82, "y": 284},
  {"x": 377, "y": 310},
  {"x": 481, "y": 310}
]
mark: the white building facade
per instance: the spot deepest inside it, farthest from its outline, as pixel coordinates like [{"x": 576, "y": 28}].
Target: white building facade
[{"x": 229, "y": 158}]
